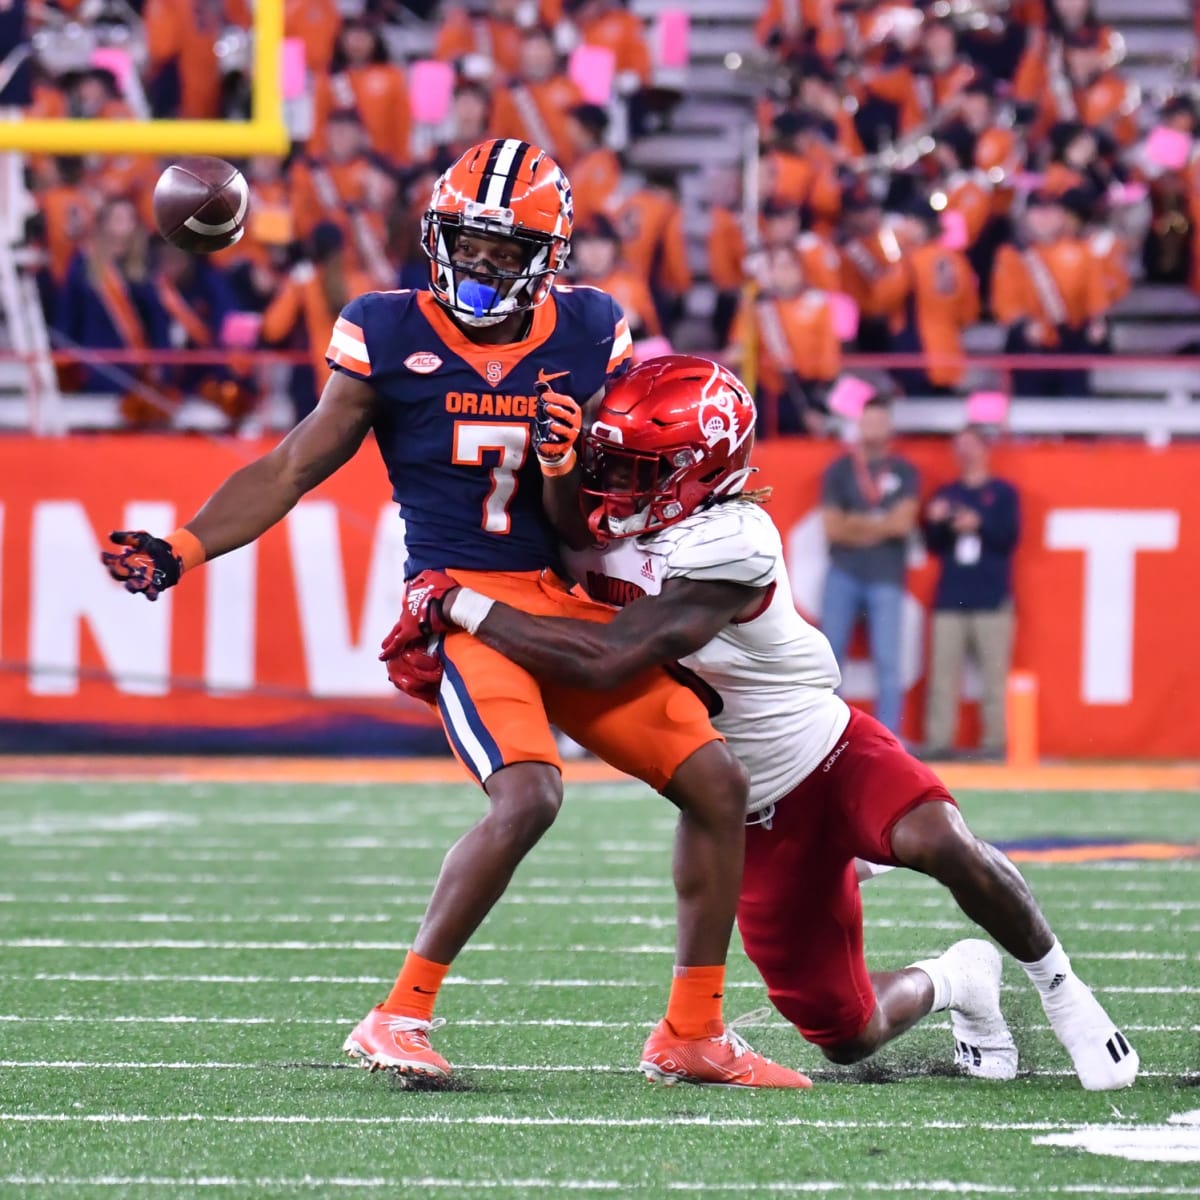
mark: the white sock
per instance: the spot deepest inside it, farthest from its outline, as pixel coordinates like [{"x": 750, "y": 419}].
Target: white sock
[
  {"x": 1048, "y": 973},
  {"x": 940, "y": 980}
]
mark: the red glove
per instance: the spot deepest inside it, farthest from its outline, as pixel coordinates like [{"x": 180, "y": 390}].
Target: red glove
[
  {"x": 416, "y": 672},
  {"x": 422, "y": 616}
]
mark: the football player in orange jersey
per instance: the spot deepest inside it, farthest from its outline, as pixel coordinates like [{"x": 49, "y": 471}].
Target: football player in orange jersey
[{"x": 454, "y": 383}]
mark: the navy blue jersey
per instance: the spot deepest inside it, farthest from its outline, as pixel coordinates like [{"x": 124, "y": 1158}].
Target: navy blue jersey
[{"x": 454, "y": 418}]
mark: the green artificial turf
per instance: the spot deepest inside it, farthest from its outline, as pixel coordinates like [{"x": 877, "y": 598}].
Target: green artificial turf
[{"x": 195, "y": 955}]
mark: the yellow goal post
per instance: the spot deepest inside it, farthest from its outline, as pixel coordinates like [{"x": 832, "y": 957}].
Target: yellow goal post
[{"x": 264, "y": 133}]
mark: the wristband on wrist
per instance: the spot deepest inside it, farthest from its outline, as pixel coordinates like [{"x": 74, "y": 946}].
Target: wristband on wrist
[
  {"x": 469, "y": 608},
  {"x": 556, "y": 467},
  {"x": 188, "y": 549}
]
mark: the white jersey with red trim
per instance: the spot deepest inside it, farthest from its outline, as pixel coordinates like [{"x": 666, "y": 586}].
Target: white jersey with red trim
[{"x": 775, "y": 673}]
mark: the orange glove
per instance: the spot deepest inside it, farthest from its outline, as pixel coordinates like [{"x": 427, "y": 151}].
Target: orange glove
[
  {"x": 557, "y": 425},
  {"x": 149, "y": 565}
]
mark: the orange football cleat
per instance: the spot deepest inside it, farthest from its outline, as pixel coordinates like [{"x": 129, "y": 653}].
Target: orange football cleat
[
  {"x": 725, "y": 1060},
  {"x": 388, "y": 1042}
]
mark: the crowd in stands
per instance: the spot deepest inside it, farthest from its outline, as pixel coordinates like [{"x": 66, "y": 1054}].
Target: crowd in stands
[
  {"x": 341, "y": 213},
  {"x": 923, "y": 166},
  {"x": 938, "y": 164}
]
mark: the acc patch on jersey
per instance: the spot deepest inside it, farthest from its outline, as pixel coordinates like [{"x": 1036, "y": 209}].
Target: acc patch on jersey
[{"x": 424, "y": 362}]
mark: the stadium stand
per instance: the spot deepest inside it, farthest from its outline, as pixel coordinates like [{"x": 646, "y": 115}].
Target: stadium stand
[{"x": 903, "y": 160}]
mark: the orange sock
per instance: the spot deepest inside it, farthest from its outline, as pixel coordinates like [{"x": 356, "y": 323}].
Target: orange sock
[
  {"x": 694, "y": 1010},
  {"x": 416, "y": 988}
]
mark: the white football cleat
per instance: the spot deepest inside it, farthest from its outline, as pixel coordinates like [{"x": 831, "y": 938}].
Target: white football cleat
[
  {"x": 983, "y": 1045},
  {"x": 1104, "y": 1060}
]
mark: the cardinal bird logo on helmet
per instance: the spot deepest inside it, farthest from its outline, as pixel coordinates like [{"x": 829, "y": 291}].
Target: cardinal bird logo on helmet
[{"x": 717, "y": 412}]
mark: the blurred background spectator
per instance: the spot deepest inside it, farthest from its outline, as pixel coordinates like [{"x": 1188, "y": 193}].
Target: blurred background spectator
[
  {"x": 971, "y": 526},
  {"x": 869, "y": 505},
  {"x": 108, "y": 300},
  {"x": 1049, "y": 291},
  {"x": 596, "y": 261},
  {"x": 307, "y": 305},
  {"x": 929, "y": 296},
  {"x": 789, "y": 333}
]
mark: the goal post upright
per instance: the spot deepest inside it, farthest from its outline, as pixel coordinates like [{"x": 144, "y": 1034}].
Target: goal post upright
[{"x": 264, "y": 133}]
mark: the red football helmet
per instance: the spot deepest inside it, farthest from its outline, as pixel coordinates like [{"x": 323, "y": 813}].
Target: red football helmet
[
  {"x": 672, "y": 436},
  {"x": 503, "y": 188}
]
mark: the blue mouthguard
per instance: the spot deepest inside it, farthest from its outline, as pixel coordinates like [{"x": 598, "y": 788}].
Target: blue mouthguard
[{"x": 478, "y": 295}]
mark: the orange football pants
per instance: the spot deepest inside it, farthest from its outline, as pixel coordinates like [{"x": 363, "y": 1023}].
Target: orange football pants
[{"x": 496, "y": 714}]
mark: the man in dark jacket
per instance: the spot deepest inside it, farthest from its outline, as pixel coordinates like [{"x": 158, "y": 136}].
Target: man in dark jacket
[{"x": 971, "y": 526}]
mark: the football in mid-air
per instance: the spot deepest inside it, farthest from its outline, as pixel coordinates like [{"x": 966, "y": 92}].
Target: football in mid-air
[{"x": 200, "y": 204}]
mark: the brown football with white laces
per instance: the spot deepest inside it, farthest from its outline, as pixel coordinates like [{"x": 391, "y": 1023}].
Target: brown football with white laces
[{"x": 200, "y": 204}]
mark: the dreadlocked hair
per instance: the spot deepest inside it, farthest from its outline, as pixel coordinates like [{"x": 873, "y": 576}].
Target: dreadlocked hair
[{"x": 760, "y": 495}]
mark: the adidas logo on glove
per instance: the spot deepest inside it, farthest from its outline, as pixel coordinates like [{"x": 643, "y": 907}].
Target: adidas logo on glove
[{"x": 416, "y": 597}]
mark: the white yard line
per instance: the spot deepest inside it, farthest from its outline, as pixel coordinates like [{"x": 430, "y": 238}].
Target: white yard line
[
  {"x": 84, "y": 899},
  {"x": 932, "y": 1187},
  {"x": 464, "y": 981},
  {"x": 507, "y": 1122},
  {"x": 480, "y": 1023},
  {"x": 498, "y": 1068},
  {"x": 199, "y": 943},
  {"x": 374, "y": 880},
  {"x": 462, "y": 1186},
  {"x": 663, "y": 948},
  {"x": 110, "y": 917}
]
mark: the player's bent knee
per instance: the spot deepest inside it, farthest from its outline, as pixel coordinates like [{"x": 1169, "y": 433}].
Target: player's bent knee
[
  {"x": 845, "y": 1054},
  {"x": 525, "y": 801},
  {"x": 712, "y": 781},
  {"x": 847, "y": 1050},
  {"x": 933, "y": 838}
]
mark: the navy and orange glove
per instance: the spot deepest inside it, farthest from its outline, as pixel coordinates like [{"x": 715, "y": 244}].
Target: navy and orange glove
[
  {"x": 422, "y": 617},
  {"x": 416, "y": 672},
  {"x": 558, "y": 422},
  {"x": 147, "y": 564}
]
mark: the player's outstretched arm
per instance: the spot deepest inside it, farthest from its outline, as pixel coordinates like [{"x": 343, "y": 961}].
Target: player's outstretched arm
[
  {"x": 254, "y": 498},
  {"x": 686, "y": 615}
]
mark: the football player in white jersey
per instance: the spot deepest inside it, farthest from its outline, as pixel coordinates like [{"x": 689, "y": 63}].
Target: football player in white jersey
[{"x": 695, "y": 569}]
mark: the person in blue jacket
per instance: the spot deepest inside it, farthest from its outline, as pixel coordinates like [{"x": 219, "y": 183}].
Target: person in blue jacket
[{"x": 971, "y": 526}]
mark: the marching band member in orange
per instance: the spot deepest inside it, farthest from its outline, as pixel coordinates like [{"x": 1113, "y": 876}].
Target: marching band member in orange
[
  {"x": 1052, "y": 295},
  {"x": 930, "y": 296},
  {"x": 535, "y": 104}
]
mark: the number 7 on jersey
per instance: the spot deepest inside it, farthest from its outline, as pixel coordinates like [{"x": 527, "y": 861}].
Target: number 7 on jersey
[{"x": 471, "y": 440}]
